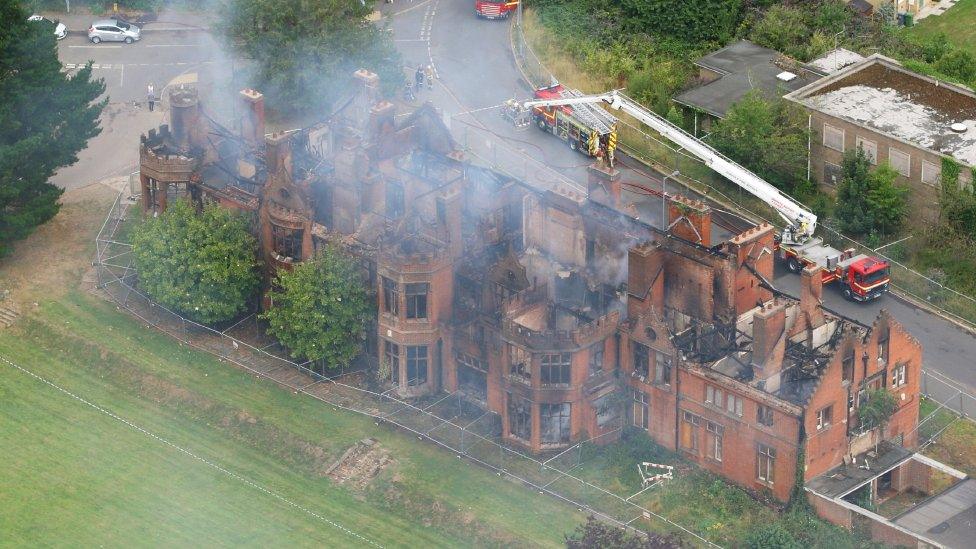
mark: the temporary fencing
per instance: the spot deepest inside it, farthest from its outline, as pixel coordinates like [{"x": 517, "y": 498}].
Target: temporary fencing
[{"x": 449, "y": 421}]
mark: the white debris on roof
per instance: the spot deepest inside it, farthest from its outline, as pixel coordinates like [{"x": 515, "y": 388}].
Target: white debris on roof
[
  {"x": 836, "y": 60},
  {"x": 894, "y": 113}
]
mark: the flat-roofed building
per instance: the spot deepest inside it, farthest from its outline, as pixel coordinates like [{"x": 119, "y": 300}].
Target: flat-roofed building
[{"x": 896, "y": 116}]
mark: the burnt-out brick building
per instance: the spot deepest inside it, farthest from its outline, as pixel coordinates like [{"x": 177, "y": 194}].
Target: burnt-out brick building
[{"x": 549, "y": 307}]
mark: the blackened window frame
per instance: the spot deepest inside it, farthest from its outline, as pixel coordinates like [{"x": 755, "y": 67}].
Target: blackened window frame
[
  {"x": 556, "y": 369},
  {"x": 391, "y": 353},
  {"x": 417, "y": 295},
  {"x": 418, "y": 365},
  {"x": 391, "y": 296},
  {"x": 561, "y": 413},
  {"x": 641, "y": 355}
]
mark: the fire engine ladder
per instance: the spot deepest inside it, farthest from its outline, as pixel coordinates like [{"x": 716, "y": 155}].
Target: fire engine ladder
[{"x": 592, "y": 115}]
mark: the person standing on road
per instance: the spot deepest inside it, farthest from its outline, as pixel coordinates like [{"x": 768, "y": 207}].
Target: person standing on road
[
  {"x": 151, "y": 96},
  {"x": 419, "y": 78},
  {"x": 429, "y": 75}
]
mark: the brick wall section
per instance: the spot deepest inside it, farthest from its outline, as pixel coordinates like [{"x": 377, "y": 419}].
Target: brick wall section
[{"x": 830, "y": 511}]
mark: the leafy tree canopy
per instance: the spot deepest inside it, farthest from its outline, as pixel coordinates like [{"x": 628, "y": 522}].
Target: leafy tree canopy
[
  {"x": 693, "y": 20},
  {"x": 305, "y": 52},
  {"x": 595, "y": 534},
  {"x": 876, "y": 412},
  {"x": 319, "y": 309},
  {"x": 46, "y": 117},
  {"x": 200, "y": 264},
  {"x": 869, "y": 201},
  {"x": 767, "y": 136}
]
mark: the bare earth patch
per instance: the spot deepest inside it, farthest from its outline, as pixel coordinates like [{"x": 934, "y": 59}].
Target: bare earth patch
[
  {"x": 360, "y": 464},
  {"x": 58, "y": 254}
]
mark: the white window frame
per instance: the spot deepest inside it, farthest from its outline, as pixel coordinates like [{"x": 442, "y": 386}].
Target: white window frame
[
  {"x": 892, "y": 151},
  {"x": 898, "y": 375},
  {"x": 827, "y": 131},
  {"x": 928, "y": 167},
  {"x": 869, "y": 147},
  {"x": 822, "y": 420},
  {"x": 733, "y": 404}
]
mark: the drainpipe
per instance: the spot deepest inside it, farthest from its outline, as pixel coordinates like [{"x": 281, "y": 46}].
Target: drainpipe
[
  {"x": 677, "y": 401},
  {"x": 809, "y": 142}
]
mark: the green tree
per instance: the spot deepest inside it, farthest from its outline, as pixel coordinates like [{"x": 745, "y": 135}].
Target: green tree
[
  {"x": 876, "y": 411},
  {"x": 200, "y": 264},
  {"x": 888, "y": 202},
  {"x": 869, "y": 201},
  {"x": 319, "y": 309},
  {"x": 767, "y": 136},
  {"x": 785, "y": 29},
  {"x": 304, "y": 53},
  {"x": 693, "y": 20},
  {"x": 595, "y": 534},
  {"x": 46, "y": 117},
  {"x": 959, "y": 64},
  {"x": 852, "y": 210},
  {"x": 770, "y": 536}
]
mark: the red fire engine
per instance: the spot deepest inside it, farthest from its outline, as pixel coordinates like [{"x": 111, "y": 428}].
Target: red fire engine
[
  {"x": 584, "y": 127},
  {"x": 492, "y": 9}
]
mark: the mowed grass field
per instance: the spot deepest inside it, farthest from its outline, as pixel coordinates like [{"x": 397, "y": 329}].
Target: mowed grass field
[
  {"x": 958, "y": 24},
  {"x": 74, "y": 475}
]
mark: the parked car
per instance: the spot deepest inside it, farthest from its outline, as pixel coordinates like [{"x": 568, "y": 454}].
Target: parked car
[
  {"x": 113, "y": 30},
  {"x": 60, "y": 31}
]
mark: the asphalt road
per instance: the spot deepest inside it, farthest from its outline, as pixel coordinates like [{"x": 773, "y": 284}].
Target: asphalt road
[
  {"x": 476, "y": 73},
  {"x": 166, "y": 54}
]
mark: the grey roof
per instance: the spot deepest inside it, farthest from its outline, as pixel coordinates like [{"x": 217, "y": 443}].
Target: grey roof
[
  {"x": 948, "y": 518},
  {"x": 743, "y": 66},
  {"x": 845, "y": 478}
]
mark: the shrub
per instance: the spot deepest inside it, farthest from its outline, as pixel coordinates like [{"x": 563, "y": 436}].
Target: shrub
[{"x": 771, "y": 536}]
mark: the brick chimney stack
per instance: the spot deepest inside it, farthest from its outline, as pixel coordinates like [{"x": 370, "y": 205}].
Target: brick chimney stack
[
  {"x": 690, "y": 219},
  {"x": 277, "y": 153},
  {"x": 769, "y": 343},
  {"x": 811, "y": 295},
  {"x": 645, "y": 279},
  {"x": 381, "y": 117},
  {"x": 252, "y": 119},
  {"x": 598, "y": 175},
  {"x": 449, "y": 218}
]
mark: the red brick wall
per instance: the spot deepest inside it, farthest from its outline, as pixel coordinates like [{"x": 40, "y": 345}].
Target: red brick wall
[
  {"x": 830, "y": 511},
  {"x": 742, "y": 435}
]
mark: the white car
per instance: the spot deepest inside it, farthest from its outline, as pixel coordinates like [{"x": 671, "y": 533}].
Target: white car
[{"x": 60, "y": 31}]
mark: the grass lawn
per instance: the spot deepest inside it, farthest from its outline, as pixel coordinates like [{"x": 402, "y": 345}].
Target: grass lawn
[
  {"x": 954, "y": 447},
  {"x": 959, "y": 24},
  {"x": 74, "y": 473}
]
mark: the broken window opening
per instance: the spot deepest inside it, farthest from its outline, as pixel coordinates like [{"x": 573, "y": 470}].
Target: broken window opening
[
  {"x": 391, "y": 353},
  {"x": 519, "y": 367},
  {"x": 898, "y": 375},
  {"x": 848, "y": 366},
  {"x": 391, "y": 297},
  {"x": 596, "y": 359},
  {"x": 416, "y": 365},
  {"x": 642, "y": 357},
  {"x": 764, "y": 415},
  {"x": 287, "y": 242},
  {"x": 417, "y": 300},
  {"x": 472, "y": 375},
  {"x": 394, "y": 199},
  {"x": 556, "y": 370},
  {"x": 519, "y": 417},
  {"x": 662, "y": 368},
  {"x": 554, "y": 422}
]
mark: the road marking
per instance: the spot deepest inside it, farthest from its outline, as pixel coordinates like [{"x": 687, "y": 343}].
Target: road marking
[
  {"x": 171, "y": 45},
  {"x": 122, "y": 75},
  {"x": 405, "y": 10},
  {"x": 98, "y": 46}
]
